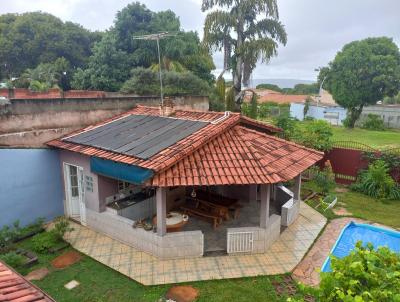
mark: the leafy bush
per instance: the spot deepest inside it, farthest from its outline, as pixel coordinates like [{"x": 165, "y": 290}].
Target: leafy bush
[
  {"x": 373, "y": 122},
  {"x": 364, "y": 275},
  {"x": 324, "y": 180},
  {"x": 376, "y": 182},
  {"x": 43, "y": 242},
  {"x": 146, "y": 82},
  {"x": 13, "y": 259},
  {"x": 316, "y": 134},
  {"x": 287, "y": 124}
]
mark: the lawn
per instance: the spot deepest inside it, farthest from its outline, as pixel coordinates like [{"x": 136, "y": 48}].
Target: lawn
[
  {"x": 375, "y": 139},
  {"x": 100, "y": 283},
  {"x": 386, "y": 212}
]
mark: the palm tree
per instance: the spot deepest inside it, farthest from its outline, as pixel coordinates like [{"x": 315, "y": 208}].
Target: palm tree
[{"x": 246, "y": 31}]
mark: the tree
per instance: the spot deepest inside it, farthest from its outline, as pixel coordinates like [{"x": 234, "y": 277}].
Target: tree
[
  {"x": 146, "y": 82},
  {"x": 107, "y": 68},
  {"x": 246, "y": 30},
  {"x": 363, "y": 73},
  {"x": 32, "y": 38},
  {"x": 230, "y": 100},
  {"x": 270, "y": 87},
  {"x": 253, "y": 106}
]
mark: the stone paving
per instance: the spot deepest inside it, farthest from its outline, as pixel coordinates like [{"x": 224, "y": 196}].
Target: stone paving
[
  {"x": 307, "y": 272},
  {"x": 281, "y": 258}
]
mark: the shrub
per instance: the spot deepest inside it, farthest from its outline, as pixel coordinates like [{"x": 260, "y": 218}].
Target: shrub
[
  {"x": 230, "y": 100},
  {"x": 323, "y": 180},
  {"x": 364, "y": 275},
  {"x": 43, "y": 242},
  {"x": 62, "y": 226},
  {"x": 373, "y": 122},
  {"x": 287, "y": 124},
  {"x": 13, "y": 259},
  {"x": 315, "y": 134},
  {"x": 376, "y": 182}
]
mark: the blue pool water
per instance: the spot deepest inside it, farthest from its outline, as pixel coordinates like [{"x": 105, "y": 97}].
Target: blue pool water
[{"x": 354, "y": 232}]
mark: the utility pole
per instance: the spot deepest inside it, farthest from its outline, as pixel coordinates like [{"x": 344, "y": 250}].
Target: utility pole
[{"x": 157, "y": 38}]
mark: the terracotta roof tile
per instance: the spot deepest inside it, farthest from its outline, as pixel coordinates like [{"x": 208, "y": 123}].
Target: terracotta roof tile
[{"x": 13, "y": 288}]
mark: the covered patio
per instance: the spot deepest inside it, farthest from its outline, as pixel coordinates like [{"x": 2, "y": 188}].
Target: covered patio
[{"x": 220, "y": 174}]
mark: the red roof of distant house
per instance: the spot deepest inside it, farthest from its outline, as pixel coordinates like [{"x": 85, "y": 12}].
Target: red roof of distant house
[
  {"x": 14, "y": 288},
  {"x": 228, "y": 139},
  {"x": 267, "y": 95}
]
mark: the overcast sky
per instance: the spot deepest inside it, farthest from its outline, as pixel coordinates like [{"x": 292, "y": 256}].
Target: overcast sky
[{"x": 316, "y": 29}]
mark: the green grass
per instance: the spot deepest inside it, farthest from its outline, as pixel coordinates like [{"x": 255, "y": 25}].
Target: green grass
[
  {"x": 386, "y": 212},
  {"x": 376, "y": 139},
  {"x": 100, "y": 283}
]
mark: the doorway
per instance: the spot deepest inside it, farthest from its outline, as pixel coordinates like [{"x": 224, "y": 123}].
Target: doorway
[{"x": 75, "y": 203}]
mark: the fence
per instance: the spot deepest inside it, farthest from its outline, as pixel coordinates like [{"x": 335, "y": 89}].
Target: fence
[{"x": 347, "y": 160}]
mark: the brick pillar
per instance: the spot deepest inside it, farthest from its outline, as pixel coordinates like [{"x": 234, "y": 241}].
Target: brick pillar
[
  {"x": 161, "y": 197},
  {"x": 265, "y": 194}
]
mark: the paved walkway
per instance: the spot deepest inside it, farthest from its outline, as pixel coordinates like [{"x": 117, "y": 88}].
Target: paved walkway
[
  {"x": 307, "y": 272},
  {"x": 282, "y": 257}
]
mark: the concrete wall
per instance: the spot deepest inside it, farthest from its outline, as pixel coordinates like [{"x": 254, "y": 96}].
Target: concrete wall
[
  {"x": 170, "y": 246},
  {"x": 32, "y": 122},
  {"x": 30, "y": 185},
  {"x": 389, "y": 113}
]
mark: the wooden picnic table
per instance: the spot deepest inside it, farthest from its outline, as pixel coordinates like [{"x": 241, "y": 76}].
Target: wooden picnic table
[{"x": 231, "y": 204}]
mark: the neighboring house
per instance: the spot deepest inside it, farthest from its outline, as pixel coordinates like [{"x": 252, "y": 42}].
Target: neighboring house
[
  {"x": 155, "y": 164},
  {"x": 330, "y": 113}
]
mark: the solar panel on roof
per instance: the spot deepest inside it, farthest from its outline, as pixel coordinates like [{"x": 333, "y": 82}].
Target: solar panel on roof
[{"x": 141, "y": 136}]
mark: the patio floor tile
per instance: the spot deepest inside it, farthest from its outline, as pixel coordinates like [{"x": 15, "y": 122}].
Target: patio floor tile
[{"x": 282, "y": 257}]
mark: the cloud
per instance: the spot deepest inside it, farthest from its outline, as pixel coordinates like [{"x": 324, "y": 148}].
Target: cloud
[{"x": 316, "y": 29}]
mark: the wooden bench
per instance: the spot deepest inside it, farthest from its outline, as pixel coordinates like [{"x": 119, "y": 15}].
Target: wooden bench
[{"x": 204, "y": 210}]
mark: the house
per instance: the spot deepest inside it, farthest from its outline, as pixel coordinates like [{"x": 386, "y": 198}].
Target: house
[
  {"x": 180, "y": 183},
  {"x": 333, "y": 114}
]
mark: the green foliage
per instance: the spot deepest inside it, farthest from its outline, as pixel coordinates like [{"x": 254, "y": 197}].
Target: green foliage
[
  {"x": 30, "y": 39},
  {"x": 43, "y": 242},
  {"x": 391, "y": 159},
  {"x": 287, "y": 124},
  {"x": 220, "y": 89},
  {"x": 272, "y": 109},
  {"x": 107, "y": 68},
  {"x": 324, "y": 179},
  {"x": 247, "y": 31},
  {"x": 364, "y": 275},
  {"x": 146, "y": 82},
  {"x": 270, "y": 87},
  {"x": 306, "y": 106},
  {"x": 392, "y": 100},
  {"x": 9, "y": 234},
  {"x": 373, "y": 122},
  {"x": 230, "y": 100},
  {"x": 315, "y": 134},
  {"x": 13, "y": 259},
  {"x": 253, "y": 106},
  {"x": 376, "y": 182},
  {"x": 363, "y": 73}
]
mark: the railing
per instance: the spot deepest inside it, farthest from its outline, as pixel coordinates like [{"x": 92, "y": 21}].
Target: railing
[{"x": 240, "y": 242}]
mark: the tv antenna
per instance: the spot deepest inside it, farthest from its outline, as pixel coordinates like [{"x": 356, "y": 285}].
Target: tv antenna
[{"x": 157, "y": 37}]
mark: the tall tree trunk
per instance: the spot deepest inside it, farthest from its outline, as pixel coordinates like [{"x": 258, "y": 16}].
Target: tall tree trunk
[
  {"x": 238, "y": 70},
  {"x": 354, "y": 115}
]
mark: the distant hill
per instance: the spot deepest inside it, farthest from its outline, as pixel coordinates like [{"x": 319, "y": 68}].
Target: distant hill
[{"x": 282, "y": 83}]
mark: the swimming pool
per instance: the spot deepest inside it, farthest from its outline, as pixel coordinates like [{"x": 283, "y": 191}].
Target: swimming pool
[{"x": 354, "y": 232}]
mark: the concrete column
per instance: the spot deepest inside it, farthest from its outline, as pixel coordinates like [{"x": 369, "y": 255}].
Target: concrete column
[
  {"x": 161, "y": 197},
  {"x": 297, "y": 188},
  {"x": 265, "y": 194},
  {"x": 252, "y": 192}
]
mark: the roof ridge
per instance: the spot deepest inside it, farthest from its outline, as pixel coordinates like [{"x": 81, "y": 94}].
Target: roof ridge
[{"x": 284, "y": 140}]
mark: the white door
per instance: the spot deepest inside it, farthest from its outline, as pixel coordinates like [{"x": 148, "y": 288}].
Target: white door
[{"x": 75, "y": 203}]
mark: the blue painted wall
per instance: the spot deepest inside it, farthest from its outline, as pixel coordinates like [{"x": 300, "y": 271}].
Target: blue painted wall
[
  {"x": 30, "y": 185},
  {"x": 317, "y": 112}
]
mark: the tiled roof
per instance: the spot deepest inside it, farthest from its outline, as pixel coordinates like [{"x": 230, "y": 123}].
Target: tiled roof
[
  {"x": 14, "y": 288},
  {"x": 239, "y": 156},
  {"x": 231, "y": 149}
]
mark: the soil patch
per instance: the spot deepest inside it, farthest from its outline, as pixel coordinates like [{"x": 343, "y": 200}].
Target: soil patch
[
  {"x": 66, "y": 259},
  {"x": 182, "y": 293},
  {"x": 342, "y": 212}
]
